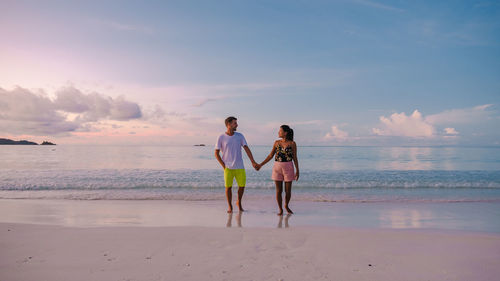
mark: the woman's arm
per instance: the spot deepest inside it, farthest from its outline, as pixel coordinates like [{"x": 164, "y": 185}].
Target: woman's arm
[
  {"x": 270, "y": 156},
  {"x": 295, "y": 160}
]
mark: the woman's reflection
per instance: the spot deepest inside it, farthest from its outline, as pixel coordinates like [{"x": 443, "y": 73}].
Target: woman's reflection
[{"x": 280, "y": 222}]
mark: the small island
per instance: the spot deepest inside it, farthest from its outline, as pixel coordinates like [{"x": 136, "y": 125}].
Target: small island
[
  {"x": 201, "y": 144},
  {"x": 4, "y": 141}
]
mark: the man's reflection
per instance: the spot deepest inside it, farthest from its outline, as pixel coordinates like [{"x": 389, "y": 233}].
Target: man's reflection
[
  {"x": 230, "y": 219},
  {"x": 280, "y": 222}
]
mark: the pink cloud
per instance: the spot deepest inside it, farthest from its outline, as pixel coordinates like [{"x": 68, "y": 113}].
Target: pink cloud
[
  {"x": 336, "y": 134},
  {"x": 400, "y": 124}
]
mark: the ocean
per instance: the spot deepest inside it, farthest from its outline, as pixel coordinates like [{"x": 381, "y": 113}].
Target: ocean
[
  {"x": 443, "y": 188},
  {"x": 328, "y": 174}
]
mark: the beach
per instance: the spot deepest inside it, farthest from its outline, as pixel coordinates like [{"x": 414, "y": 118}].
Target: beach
[
  {"x": 146, "y": 213},
  {"x": 129, "y": 130},
  {"x": 121, "y": 247}
]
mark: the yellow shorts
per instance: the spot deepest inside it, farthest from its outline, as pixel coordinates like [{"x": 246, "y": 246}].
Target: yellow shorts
[{"x": 239, "y": 174}]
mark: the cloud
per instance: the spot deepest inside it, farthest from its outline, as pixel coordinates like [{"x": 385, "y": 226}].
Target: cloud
[
  {"x": 415, "y": 125},
  {"x": 158, "y": 116},
  {"x": 308, "y": 122},
  {"x": 400, "y": 124},
  {"x": 472, "y": 115},
  {"x": 293, "y": 124},
  {"x": 378, "y": 5},
  {"x": 122, "y": 26},
  {"x": 124, "y": 110},
  {"x": 205, "y": 101},
  {"x": 450, "y": 131},
  {"x": 222, "y": 92},
  {"x": 27, "y": 112},
  {"x": 157, "y": 113},
  {"x": 94, "y": 106},
  {"x": 336, "y": 134},
  {"x": 259, "y": 86}
]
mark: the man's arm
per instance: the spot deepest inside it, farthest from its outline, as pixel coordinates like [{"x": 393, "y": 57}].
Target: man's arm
[
  {"x": 250, "y": 156},
  {"x": 217, "y": 156}
]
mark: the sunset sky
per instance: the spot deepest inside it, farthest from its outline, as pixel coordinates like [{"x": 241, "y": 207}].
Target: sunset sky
[{"x": 344, "y": 72}]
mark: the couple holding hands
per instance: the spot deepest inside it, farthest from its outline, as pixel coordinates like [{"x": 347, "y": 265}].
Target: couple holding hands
[{"x": 284, "y": 152}]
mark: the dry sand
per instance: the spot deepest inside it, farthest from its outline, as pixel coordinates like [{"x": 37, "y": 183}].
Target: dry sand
[{"x": 42, "y": 252}]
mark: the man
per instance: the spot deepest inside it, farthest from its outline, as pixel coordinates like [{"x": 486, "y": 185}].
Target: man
[{"x": 230, "y": 143}]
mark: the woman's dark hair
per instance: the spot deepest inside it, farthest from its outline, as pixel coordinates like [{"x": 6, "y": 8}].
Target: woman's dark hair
[{"x": 288, "y": 131}]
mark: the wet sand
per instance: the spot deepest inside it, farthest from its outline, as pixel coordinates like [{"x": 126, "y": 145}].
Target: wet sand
[
  {"x": 473, "y": 216},
  {"x": 181, "y": 240}
]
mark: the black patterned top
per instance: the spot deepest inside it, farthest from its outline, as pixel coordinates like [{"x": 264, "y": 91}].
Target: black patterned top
[{"x": 283, "y": 154}]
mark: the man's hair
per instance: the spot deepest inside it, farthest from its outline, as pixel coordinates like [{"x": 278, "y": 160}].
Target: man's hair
[{"x": 230, "y": 119}]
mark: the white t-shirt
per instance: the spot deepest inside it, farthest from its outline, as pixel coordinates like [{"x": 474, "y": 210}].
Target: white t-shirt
[{"x": 231, "y": 149}]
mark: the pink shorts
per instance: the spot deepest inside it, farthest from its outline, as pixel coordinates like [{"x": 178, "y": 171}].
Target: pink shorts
[{"x": 283, "y": 171}]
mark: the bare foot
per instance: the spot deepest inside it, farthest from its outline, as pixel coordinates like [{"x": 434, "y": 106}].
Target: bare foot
[
  {"x": 280, "y": 212},
  {"x": 230, "y": 210},
  {"x": 288, "y": 210}
]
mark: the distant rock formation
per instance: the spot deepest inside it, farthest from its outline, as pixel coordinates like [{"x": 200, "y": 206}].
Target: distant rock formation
[
  {"x": 201, "y": 144},
  {"x": 13, "y": 142},
  {"x": 47, "y": 143}
]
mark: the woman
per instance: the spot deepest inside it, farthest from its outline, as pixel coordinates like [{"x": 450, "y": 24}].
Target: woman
[{"x": 284, "y": 152}]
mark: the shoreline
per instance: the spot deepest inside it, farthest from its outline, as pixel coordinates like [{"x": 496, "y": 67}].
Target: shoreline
[{"x": 466, "y": 217}]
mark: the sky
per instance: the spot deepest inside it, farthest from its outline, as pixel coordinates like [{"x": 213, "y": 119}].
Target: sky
[{"x": 340, "y": 72}]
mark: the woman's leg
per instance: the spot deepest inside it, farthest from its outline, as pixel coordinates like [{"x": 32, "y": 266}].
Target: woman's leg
[
  {"x": 279, "y": 199},
  {"x": 288, "y": 195}
]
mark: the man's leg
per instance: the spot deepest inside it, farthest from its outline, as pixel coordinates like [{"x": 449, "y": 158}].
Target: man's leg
[
  {"x": 241, "y": 190},
  {"x": 241, "y": 178},
  {"x": 279, "y": 199},
  {"x": 229, "y": 196},
  {"x": 228, "y": 183}
]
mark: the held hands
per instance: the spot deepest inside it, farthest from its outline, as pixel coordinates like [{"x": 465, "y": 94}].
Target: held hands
[{"x": 256, "y": 166}]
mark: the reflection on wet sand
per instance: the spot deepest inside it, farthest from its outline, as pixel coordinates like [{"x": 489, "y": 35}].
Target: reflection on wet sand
[
  {"x": 280, "y": 222},
  {"x": 404, "y": 218},
  {"x": 470, "y": 216},
  {"x": 230, "y": 219},
  {"x": 239, "y": 215}
]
